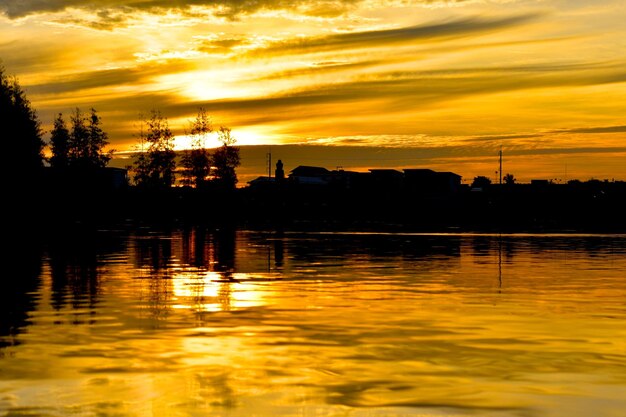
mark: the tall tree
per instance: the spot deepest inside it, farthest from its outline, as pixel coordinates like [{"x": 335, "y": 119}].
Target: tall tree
[
  {"x": 60, "y": 144},
  {"x": 87, "y": 141},
  {"x": 226, "y": 159},
  {"x": 141, "y": 169},
  {"x": 21, "y": 129},
  {"x": 78, "y": 139},
  {"x": 98, "y": 139},
  {"x": 196, "y": 161},
  {"x": 155, "y": 166}
]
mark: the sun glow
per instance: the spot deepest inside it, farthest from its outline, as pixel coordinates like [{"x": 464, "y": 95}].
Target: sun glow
[
  {"x": 244, "y": 136},
  {"x": 256, "y": 135},
  {"x": 184, "y": 142},
  {"x": 213, "y": 291},
  {"x": 205, "y": 85}
]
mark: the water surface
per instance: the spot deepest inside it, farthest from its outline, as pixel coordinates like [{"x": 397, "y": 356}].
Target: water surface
[{"x": 196, "y": 323}]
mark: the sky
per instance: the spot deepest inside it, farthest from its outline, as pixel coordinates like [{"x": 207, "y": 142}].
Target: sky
[{"x": 353, "y": 83}]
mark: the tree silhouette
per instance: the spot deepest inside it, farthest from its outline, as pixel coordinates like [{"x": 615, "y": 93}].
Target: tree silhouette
[
  {"x": 141, "y": 169},
  {"x": 154, "y": 167},
  {"x": 509, "y": 179},
  {"x": 87, "y": 141},
  {"x": 196, "y": 161},
  {"x": 60, "y": 144},
  {"x": 481, "y": 182},
  {"x": 21, "y": 129},
  {"x": 78, "y": 138},
  {"x": 225, "y": 160},
  {"x": 98, "y": 139}
]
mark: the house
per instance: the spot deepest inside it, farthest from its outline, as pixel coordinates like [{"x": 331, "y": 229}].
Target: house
[
  {"x": 388, "y": 179},
  {"x": 262, "y": 182},
  {"x": 307, "y": 175},
  {"x": 350, "y": 180},
  {"x": 540, "y": 183},
  {"x": 448, "y": 181},
  {"x": 431, "y": 182},
  {"x": 115, "y": 178}
]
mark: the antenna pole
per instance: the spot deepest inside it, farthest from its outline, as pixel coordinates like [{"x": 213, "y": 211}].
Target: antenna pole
[{"x": 500, "y": 165}]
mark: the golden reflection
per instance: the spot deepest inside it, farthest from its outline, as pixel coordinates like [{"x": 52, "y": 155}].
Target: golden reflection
[
  {"x": 215, "y": 291},
  {"x": 360, "y": 325}
]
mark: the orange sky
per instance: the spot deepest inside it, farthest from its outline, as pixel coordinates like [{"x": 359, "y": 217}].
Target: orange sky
[{"x": 428, "y": 83}]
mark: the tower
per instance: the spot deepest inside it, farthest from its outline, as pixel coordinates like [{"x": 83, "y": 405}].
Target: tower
[{"x": 279, "y": 173}]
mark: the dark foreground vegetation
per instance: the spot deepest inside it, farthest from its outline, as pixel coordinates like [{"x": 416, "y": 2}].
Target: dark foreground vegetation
[
  {"x": 585, "y": 207},
  {"x": 74, "y": 186}
]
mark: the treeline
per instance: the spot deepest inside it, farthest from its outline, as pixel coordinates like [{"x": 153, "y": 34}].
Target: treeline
[
  {"x": 78, "y": 147},
  {"x": 23, "y": 143},
  {"x": 155, "y": 165},
  {"x": 81, "y": 146}
]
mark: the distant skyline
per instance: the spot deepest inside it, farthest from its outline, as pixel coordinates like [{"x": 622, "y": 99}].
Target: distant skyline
[{"x": 379, "y": 83}]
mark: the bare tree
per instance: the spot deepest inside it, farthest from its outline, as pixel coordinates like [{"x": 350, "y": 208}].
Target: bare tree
[
  {"x": 196, "y": 161},
  {"x": 225, "y": 160},
  {"x": 155, "y": 166}
]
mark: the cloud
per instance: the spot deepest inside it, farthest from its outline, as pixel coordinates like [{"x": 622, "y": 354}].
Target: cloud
[
  {"x": 377, "y": 38},
  {"x": 566, "y": 151},
  {"x": 320, "y": 68},
  {"x": 316, "y": 107},
  {"x": 417, "y": 87},
  {"x": 564, "y": 67},
  {"x": 502, "y": 137},
  {"x": 20, "y": 59},
  {"x": 607, "y": 129},
  {"x": 336, "y": 66},
  {"x": 220, "y": 45},
  {"x": 225, "y": 8},
  {"x": 360, "y": 97},
  {"x": 108, "y": 14},
  {"x": 108, "y": 77},
  {"x": 101, "y": 20}
]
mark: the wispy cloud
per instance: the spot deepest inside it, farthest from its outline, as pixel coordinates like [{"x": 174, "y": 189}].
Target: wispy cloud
[
  {"x": 317, "y": 68},
  {"x": 220, "y": 45},
  {"x": 326, "y": 104},
  {"x": 109, "y": 77},
  {"x": 419, "y": 87},
  {"x": 404, "y": 35},
  {"x": 37, "y": 57},
  {"x": 483, "y": 139},
  {"x": 607, "y": 129}
]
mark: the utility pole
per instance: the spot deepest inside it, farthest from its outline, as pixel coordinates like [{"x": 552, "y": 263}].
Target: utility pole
[
  {"x": 500, "y": 164},
  {"x": 269, "y": 163}
]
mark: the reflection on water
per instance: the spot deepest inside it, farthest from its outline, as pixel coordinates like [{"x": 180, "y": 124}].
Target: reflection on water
[
  {"x": 191, "y": 322},
  {"x": 18, "y": 297}
]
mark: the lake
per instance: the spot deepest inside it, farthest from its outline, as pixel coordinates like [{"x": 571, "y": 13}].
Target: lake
[{"x": 148, "y": 322}]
